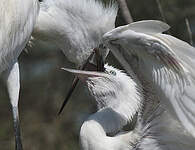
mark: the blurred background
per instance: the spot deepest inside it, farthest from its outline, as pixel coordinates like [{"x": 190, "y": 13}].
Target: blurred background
[{"x": 44, "y": 85}]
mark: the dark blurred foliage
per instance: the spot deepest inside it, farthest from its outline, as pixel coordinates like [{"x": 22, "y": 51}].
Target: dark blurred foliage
[{"x": 44, "y": 85}]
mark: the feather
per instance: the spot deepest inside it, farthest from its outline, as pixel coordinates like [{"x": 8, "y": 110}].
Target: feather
[
  {"x": 164, "y": 61},
  {"x": 75, "y": 27},
  {"x": 149, "y": 26}
]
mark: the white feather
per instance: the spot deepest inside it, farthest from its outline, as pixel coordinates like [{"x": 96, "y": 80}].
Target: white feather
[
  {"x": 149, "y": 26},
  {"x": 168, "y": 63},
  {"x": 118, "y": 99},
  {"x": 75, "y": 27},
  {"x": 160, "y": 131}
]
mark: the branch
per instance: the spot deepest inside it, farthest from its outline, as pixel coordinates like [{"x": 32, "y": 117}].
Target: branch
[
  {"x": 162, "y": 13},
  {"x": 161, "y": 10},
  {"x": 189, "y": 31},
  {"x": 125, "y": 11}
]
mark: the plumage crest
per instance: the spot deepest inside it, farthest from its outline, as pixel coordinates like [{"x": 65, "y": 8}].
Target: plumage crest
[{"x": 117, "y": 91}]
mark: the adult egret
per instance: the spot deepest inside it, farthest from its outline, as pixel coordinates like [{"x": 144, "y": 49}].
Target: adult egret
[
  {"x": 75, "y": 27},
  {"x": 17, "y": 20},
  {"x": 118, "y": 99},
  {"x": 163, "y": 60}
]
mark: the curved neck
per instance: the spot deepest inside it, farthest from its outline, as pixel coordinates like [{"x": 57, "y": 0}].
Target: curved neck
[{"x": 93, "y": 131}]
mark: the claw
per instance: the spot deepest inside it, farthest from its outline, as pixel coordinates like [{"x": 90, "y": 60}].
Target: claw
[{"x": 18, "y": 140}]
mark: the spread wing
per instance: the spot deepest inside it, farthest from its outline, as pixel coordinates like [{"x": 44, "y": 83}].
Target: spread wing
[{"x": 165, "y": 61}]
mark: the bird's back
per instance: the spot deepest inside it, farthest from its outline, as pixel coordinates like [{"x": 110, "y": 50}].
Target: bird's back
[{"x": 17, "y": 19}]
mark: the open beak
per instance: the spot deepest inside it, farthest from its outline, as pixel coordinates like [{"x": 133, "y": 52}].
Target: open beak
[{"x": 87, "y": 66}]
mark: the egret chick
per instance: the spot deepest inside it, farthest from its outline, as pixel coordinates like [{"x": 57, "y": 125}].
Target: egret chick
[{"x": 118, "y": 99}]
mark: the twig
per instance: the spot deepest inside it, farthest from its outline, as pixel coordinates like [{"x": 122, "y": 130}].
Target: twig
[
  {"x": 162, "y": 13},
  {"x": 125, "y": 11},
  {"x": 189, "y": 31}
]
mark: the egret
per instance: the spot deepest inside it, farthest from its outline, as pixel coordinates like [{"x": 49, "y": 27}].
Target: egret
[
  {"x": 75, "y": 27},
  {"x": 166, "y": 62},
  {"x": 83, "y": 32},
  {"x": 118, "y": 99},
  {"x": 17, "y": 20}
]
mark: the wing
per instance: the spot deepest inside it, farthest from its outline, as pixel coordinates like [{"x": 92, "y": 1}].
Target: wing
[
  {"x": 149, "y": 26},
  {"x": 163, "y": 60},
  {"x": 184, "y": 52},
  {"x": 161, "y": 132}
]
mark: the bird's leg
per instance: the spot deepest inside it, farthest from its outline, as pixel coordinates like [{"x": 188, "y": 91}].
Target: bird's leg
[{"x": 13, "y": 86}]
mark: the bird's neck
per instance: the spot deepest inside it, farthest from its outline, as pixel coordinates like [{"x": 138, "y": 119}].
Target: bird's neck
[{"x": 93, "y": 131}]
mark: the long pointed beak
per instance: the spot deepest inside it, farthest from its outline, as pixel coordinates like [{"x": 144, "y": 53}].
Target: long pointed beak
[
  {"x": 100, "y": 67},
  {"x": 74, "y": 84},
  {"x": 84, "y": 75}
]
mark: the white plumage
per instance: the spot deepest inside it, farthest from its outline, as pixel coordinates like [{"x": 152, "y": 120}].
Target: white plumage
[
  {"x": 118, "y": 99},
  {"x": 160, "y": 131},
  {"x": 17, "y": 20},
  {"x": 76, "y": 27},
  {"x": 164, "y": 61}
]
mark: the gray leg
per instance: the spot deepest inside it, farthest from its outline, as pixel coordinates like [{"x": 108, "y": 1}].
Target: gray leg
[{"x": 13, "y": 86}]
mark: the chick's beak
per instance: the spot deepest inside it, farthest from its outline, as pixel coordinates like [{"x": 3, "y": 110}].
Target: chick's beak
[{"x": 83, "y": 75}]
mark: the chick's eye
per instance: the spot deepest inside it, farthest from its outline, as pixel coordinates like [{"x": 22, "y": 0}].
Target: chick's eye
[{"x": 112, "y": 72}]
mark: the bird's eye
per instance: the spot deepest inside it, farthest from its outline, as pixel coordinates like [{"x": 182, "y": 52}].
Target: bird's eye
[{"x": 112, "y": 72}]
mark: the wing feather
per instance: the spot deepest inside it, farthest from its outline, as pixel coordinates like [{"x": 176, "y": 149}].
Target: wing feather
[
  {"x": 161, "y": 132},
  {"x": 149, "y": 26},
  {"x": 185, "y": 53},
  {"x": 176, "y": 81}
]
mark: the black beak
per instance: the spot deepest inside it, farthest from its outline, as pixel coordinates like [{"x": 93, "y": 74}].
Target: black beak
[
  {"x": 87, "y": 65},
  {"x": 99, "y": 61}
]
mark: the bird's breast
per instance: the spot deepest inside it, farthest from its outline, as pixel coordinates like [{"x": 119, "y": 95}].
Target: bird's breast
[{"x": 17, "y": 20}]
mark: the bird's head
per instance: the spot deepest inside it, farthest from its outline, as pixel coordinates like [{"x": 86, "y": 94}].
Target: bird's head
[{"x": 112, "y": 88}]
